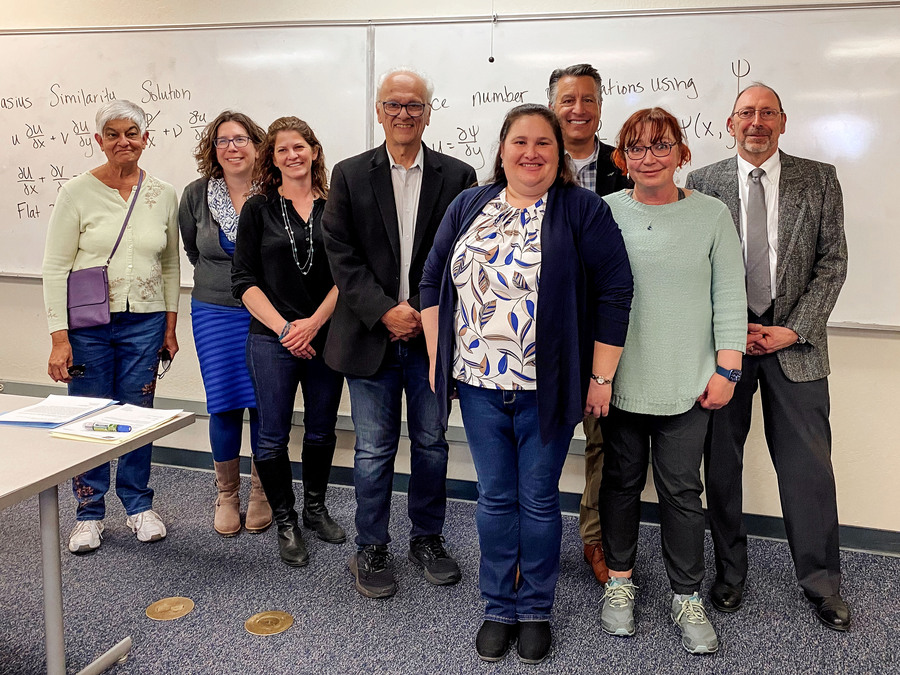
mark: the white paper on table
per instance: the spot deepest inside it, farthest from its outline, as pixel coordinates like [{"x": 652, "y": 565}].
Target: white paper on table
[
  {"x": 139, "y": 419},
  {"x": 54, "y": 411}
]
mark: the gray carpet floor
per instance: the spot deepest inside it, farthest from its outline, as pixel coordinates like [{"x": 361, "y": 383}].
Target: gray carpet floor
[{"x": 423, "y": 629}]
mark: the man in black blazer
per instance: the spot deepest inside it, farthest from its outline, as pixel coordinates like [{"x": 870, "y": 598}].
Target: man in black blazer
[
  {"x": 575, "y": 94},
  {"x": 383, "y": 210},
  {"x": 800, "y": 274}
]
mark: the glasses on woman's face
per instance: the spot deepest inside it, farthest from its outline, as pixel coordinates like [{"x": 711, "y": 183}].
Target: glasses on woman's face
[
  {"x": 414, "y": 109},
  {"x": 239, "y": 142},
  {"x": 636, "y": 152}
]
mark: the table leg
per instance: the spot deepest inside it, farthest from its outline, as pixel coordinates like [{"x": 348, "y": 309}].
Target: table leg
[{"x": 54, "y": 640}]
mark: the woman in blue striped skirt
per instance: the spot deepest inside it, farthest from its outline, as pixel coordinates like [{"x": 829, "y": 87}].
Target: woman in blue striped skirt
[{"x": 208, "y": 219}]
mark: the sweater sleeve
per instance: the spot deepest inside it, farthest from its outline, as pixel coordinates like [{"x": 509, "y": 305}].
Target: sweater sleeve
[
  {"x": 608, "y": 274},
  {"x": 246, "y": 265},
  {"x": 441, "y": 250},
  {"x": 60, "y": 249},
  {"x": 729, "y": 295},
  {"x": 170, "y": 259},
  {"x": 187, "y": 223}
]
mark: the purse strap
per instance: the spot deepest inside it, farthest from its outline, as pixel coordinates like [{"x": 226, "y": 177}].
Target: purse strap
[{"x": 127, "y": 215}]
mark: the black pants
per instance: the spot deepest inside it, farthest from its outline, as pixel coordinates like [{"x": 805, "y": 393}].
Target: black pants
[
  {"x": 677, "y": 444},
  {"x": 795, "y": 416}
]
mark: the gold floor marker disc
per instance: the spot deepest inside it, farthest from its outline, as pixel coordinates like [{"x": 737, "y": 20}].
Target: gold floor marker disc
[
  {"x": 269, "y": 623},
  {"x": 170, "y": 608}
]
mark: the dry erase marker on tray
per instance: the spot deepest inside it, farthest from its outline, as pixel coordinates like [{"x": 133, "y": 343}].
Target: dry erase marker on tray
[{"x": 94, "y": 426}]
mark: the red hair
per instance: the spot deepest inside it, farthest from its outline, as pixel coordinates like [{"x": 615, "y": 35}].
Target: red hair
[{"x": 660, "y": 123}]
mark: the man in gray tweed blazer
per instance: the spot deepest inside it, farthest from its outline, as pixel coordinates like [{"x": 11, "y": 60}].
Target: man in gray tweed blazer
[{"x": 798, "y": 212}]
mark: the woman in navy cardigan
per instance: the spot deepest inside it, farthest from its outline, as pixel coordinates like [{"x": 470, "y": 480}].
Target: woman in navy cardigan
[{"x": 525, "y": 302}]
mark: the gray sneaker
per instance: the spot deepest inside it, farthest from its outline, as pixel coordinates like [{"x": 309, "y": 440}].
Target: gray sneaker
[
  {"x": 697, "y": 634},
  {"x": 617, "y": 617}
]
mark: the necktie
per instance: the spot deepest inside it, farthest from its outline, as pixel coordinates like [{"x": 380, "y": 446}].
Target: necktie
[{"x": 759, "y": 285}]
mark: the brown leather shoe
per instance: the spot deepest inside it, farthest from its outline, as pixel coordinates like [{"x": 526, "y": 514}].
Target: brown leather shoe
[{"x": 593, "y": 555}]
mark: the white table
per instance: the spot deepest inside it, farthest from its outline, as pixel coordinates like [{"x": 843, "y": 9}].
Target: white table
[{"x": 33, "y": 462}]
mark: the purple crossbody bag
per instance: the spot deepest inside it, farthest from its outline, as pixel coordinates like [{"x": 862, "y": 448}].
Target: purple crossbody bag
[{"x": 88, "y": 289}]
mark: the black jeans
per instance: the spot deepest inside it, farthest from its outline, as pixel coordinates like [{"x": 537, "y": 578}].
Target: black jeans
[{"x": 677, "y": 444}]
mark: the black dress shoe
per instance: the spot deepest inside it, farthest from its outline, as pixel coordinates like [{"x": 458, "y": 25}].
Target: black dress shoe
[
  {"x": 493, "y": 639},
  {"x": 726, "y": 598},
  {"x": 832, "y": 611},
  {"x": 534, "y": 641}
]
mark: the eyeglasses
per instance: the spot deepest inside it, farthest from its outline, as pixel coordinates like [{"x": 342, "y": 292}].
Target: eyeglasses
[
  {"x": 77, "y": 370},
  {"x": 239, "y": 141},
  {"x": 165, "y": 362},
  {"x": 765, "y": 114},
  {"x": 413, "y": 109},
  {"x": 636, "y": 152}
]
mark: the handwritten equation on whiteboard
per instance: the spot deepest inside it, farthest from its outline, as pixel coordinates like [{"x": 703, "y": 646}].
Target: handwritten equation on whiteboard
[
  {"x": 466, "y": 122},
  {"x": 49, "y": 137}
]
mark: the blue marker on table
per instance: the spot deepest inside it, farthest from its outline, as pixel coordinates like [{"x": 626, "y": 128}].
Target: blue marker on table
[{"x": 95, "y": 426}]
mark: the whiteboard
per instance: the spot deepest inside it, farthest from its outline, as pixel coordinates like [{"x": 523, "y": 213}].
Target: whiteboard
[
  {"x": 52, "y": 85},
  {"x": 838, "y": 72},
  {"x": 837, "y": 69}
]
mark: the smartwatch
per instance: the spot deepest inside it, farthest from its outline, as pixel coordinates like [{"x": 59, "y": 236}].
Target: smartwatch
[{"x": 730, "y": 375}]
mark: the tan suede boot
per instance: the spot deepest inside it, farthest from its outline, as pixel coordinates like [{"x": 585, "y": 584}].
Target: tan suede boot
[
  {"x": 227, "y": 520},
  {"x": 259, "y": 513}
]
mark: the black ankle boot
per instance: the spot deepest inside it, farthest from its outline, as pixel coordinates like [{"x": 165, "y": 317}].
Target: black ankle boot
[
  {"x": 277, "y": 482},
  {"x": 291, "y": 545},
  {"x": 316, "y": 460}
]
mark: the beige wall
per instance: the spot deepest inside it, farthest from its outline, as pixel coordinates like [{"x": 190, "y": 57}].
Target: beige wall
[{"x": 865, "y": 384}]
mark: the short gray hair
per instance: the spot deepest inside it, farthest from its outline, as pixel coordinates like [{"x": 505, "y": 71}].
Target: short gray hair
[
  {"x": 578, "y": 70},
  {"x": 121, "y": 110},
  {"x": 429, "y": 85}
]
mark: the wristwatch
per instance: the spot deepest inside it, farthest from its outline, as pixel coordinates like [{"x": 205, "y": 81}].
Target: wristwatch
[
  {"x": 730, "y": 375},
  {"x": 599, "y": 379}
]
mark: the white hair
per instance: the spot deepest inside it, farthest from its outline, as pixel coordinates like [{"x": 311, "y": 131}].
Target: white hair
[
  {"x": 121, "y": 110},
  {"x": 429, "y": 85}
]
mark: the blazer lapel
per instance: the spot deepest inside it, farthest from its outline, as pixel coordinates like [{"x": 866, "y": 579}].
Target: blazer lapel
[
  {"x": 383, "y": 186},
  {"x": 791, "y": 207},
  {"x": 724, "y": 187},
  {"x": 432, "y": 181}
]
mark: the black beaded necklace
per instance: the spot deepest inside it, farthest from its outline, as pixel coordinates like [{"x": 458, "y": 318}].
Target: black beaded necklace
[{"x": 307, "y": 229}]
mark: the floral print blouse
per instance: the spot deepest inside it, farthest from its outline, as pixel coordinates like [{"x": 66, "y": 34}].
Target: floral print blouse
[{"x": 496, "y": 270}]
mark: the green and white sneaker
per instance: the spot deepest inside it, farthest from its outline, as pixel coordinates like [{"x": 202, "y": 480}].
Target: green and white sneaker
[
  {"x": 689, "y": 615},
  {"x": 617, "y": 616}
]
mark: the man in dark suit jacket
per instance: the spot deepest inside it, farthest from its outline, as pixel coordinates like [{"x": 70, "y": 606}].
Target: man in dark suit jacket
[
  {"x": 575, "y": 94},
  {"x": 383, "y": 210},
  {"x": 787, "y": 354}
]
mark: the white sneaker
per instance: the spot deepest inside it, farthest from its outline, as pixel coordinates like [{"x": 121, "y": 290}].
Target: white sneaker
[
  {"x": 147, "y": 525},
  {"x": 86, "y": 536}
]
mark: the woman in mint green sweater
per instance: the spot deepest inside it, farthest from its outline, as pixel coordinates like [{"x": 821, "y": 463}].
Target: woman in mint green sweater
[{"x": 681, "y": 359}]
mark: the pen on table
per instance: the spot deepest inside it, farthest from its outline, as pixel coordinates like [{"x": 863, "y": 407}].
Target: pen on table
[{"x": 96, "y": 426}]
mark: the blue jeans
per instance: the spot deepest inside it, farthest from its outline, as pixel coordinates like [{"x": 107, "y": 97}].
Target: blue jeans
[
  {"x": 120, "y": 362},
  {"x": 276, "y": 373},
  {"x": 375, "y": 404},
  {"x": 518, "y": 515}
]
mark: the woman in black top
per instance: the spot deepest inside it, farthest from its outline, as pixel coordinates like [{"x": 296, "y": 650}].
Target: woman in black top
[{"x": 281, "y": 274}]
